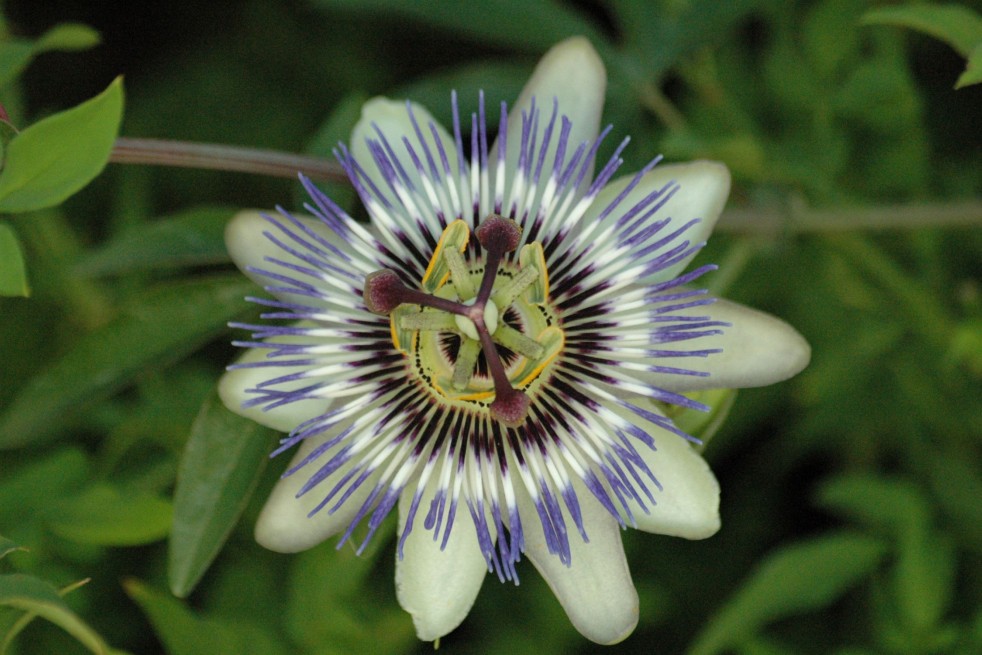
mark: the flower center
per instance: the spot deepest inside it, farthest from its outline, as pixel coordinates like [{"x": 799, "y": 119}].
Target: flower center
[{"x": 485, "y": 338}]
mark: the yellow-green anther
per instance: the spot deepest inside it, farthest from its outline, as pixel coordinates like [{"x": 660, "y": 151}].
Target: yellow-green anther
[
  {"x": 459, "y": 275},
  {"x": 506, "y": 294},
  {"x": 427, "y": 320},
  {"x": 531, "y": 256},
  {"x": 402, "y": 337},
  {"x": 466, "y": 361},
  {"x": 454, "y": 237},
  {"x": 551, "y": 340},
  {"x": 514, "y": 340}
]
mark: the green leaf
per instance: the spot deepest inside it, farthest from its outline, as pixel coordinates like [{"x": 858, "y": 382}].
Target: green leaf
[
  {"x": 105, "y": 515},
  {"x": 803, "y": 577},
  {"x": 7, "y": 546},
  {"x": 221, "y": 465},
  {"x": 67, "y": 37},
  {"x": 957, "y": 485},
  {"x": 152, "y": 331},
  {"x": 33, "y": 595},
  {"x": 925, "y": 561},
  {"x": 324, "y": 580},
  {"x": 973, "y": 69},
  {"x": 192, "y": 238},
  {"x": 663, "y": 32},
  {"x": 7, "y": 134},
  {"x": 13, "y": 273},
  {"x": 16, "y": 54},
  {"x": 896, "y": 506},
  {"x": 184, "y": 633},
  {"x": 829, "y": 38},
  {"x": 52, "y": 159},
  {"x": 923, "y": 578},
  {"x": 959, "y": 27},
  {"x": 533, "y": 26},
  {"x": 26, "y": 619},
  {"x": 58, "y": 473}
]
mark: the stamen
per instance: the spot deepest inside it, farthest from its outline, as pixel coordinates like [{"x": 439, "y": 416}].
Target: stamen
[
  {"x": 506, "y": 294},
  {"x": 466, "y": 361},
  {"x": 458, "y": 274},
  {"x": 428, "y": 321},
  {"x": 512, "y": 339}
]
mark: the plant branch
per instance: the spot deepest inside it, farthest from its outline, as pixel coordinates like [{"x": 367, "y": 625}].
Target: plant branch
[{"x": 160, "y": 152}]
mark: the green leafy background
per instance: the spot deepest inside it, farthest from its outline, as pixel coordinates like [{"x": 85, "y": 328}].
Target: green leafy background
[{"x": 852, "y": 495}]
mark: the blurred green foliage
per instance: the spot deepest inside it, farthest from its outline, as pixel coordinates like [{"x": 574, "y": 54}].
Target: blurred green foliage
[{"x": 851, "y": 513}]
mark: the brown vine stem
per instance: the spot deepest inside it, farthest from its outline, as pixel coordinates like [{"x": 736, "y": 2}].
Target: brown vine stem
[
  {"x": 161, "y": 152},
  {"x": 794, "y": 218}
]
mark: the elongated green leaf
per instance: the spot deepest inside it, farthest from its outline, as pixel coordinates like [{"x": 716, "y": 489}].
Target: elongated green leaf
[
  {"x": 184, "y": 633},
  {"x": 16, "y": 54},
  {"x": 893, "y": 505},
  {"x": 923, "y": 577},
  {"x": 67, "y": 37},
  {"x": 957, "y": 485},
  {"x": 959, "y": 27},
  {"x": 26, "y": 619},
  {"x": 59, "y": 473},
  {"x": 52, "y": 159},
  {"x": 104, "y": 515},
  {"x": 31, "y": 594},
  {"x": 153, "y": 330},
  {"x": 13, "y": 274},
  {"x": 7, "y": 546},
  {"x": 664, "y": 32},
  {"x": 799, "y": 578},
  {"x": 973, "y": 69},
  {"x": 191, "y": 238},
  {"x": 222, "y": 463},
  {"x": 178, "y": 628}
]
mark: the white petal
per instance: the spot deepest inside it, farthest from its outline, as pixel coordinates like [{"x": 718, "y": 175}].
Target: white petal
[
  {"x": 438, "y": 587},
  {"x": 703, "y": 189},
  {"x": 688, "y": 502},
  {"x": 596, "y": 589},
  {"x": 757, "y": 349},
  {"x": 283, "y": 524},
  {"x": 233, "y": 385},
  {"x": 572, "y": 73},
  {"x": 392, "y": 119},
  {"x": 249, "y": 247}
]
